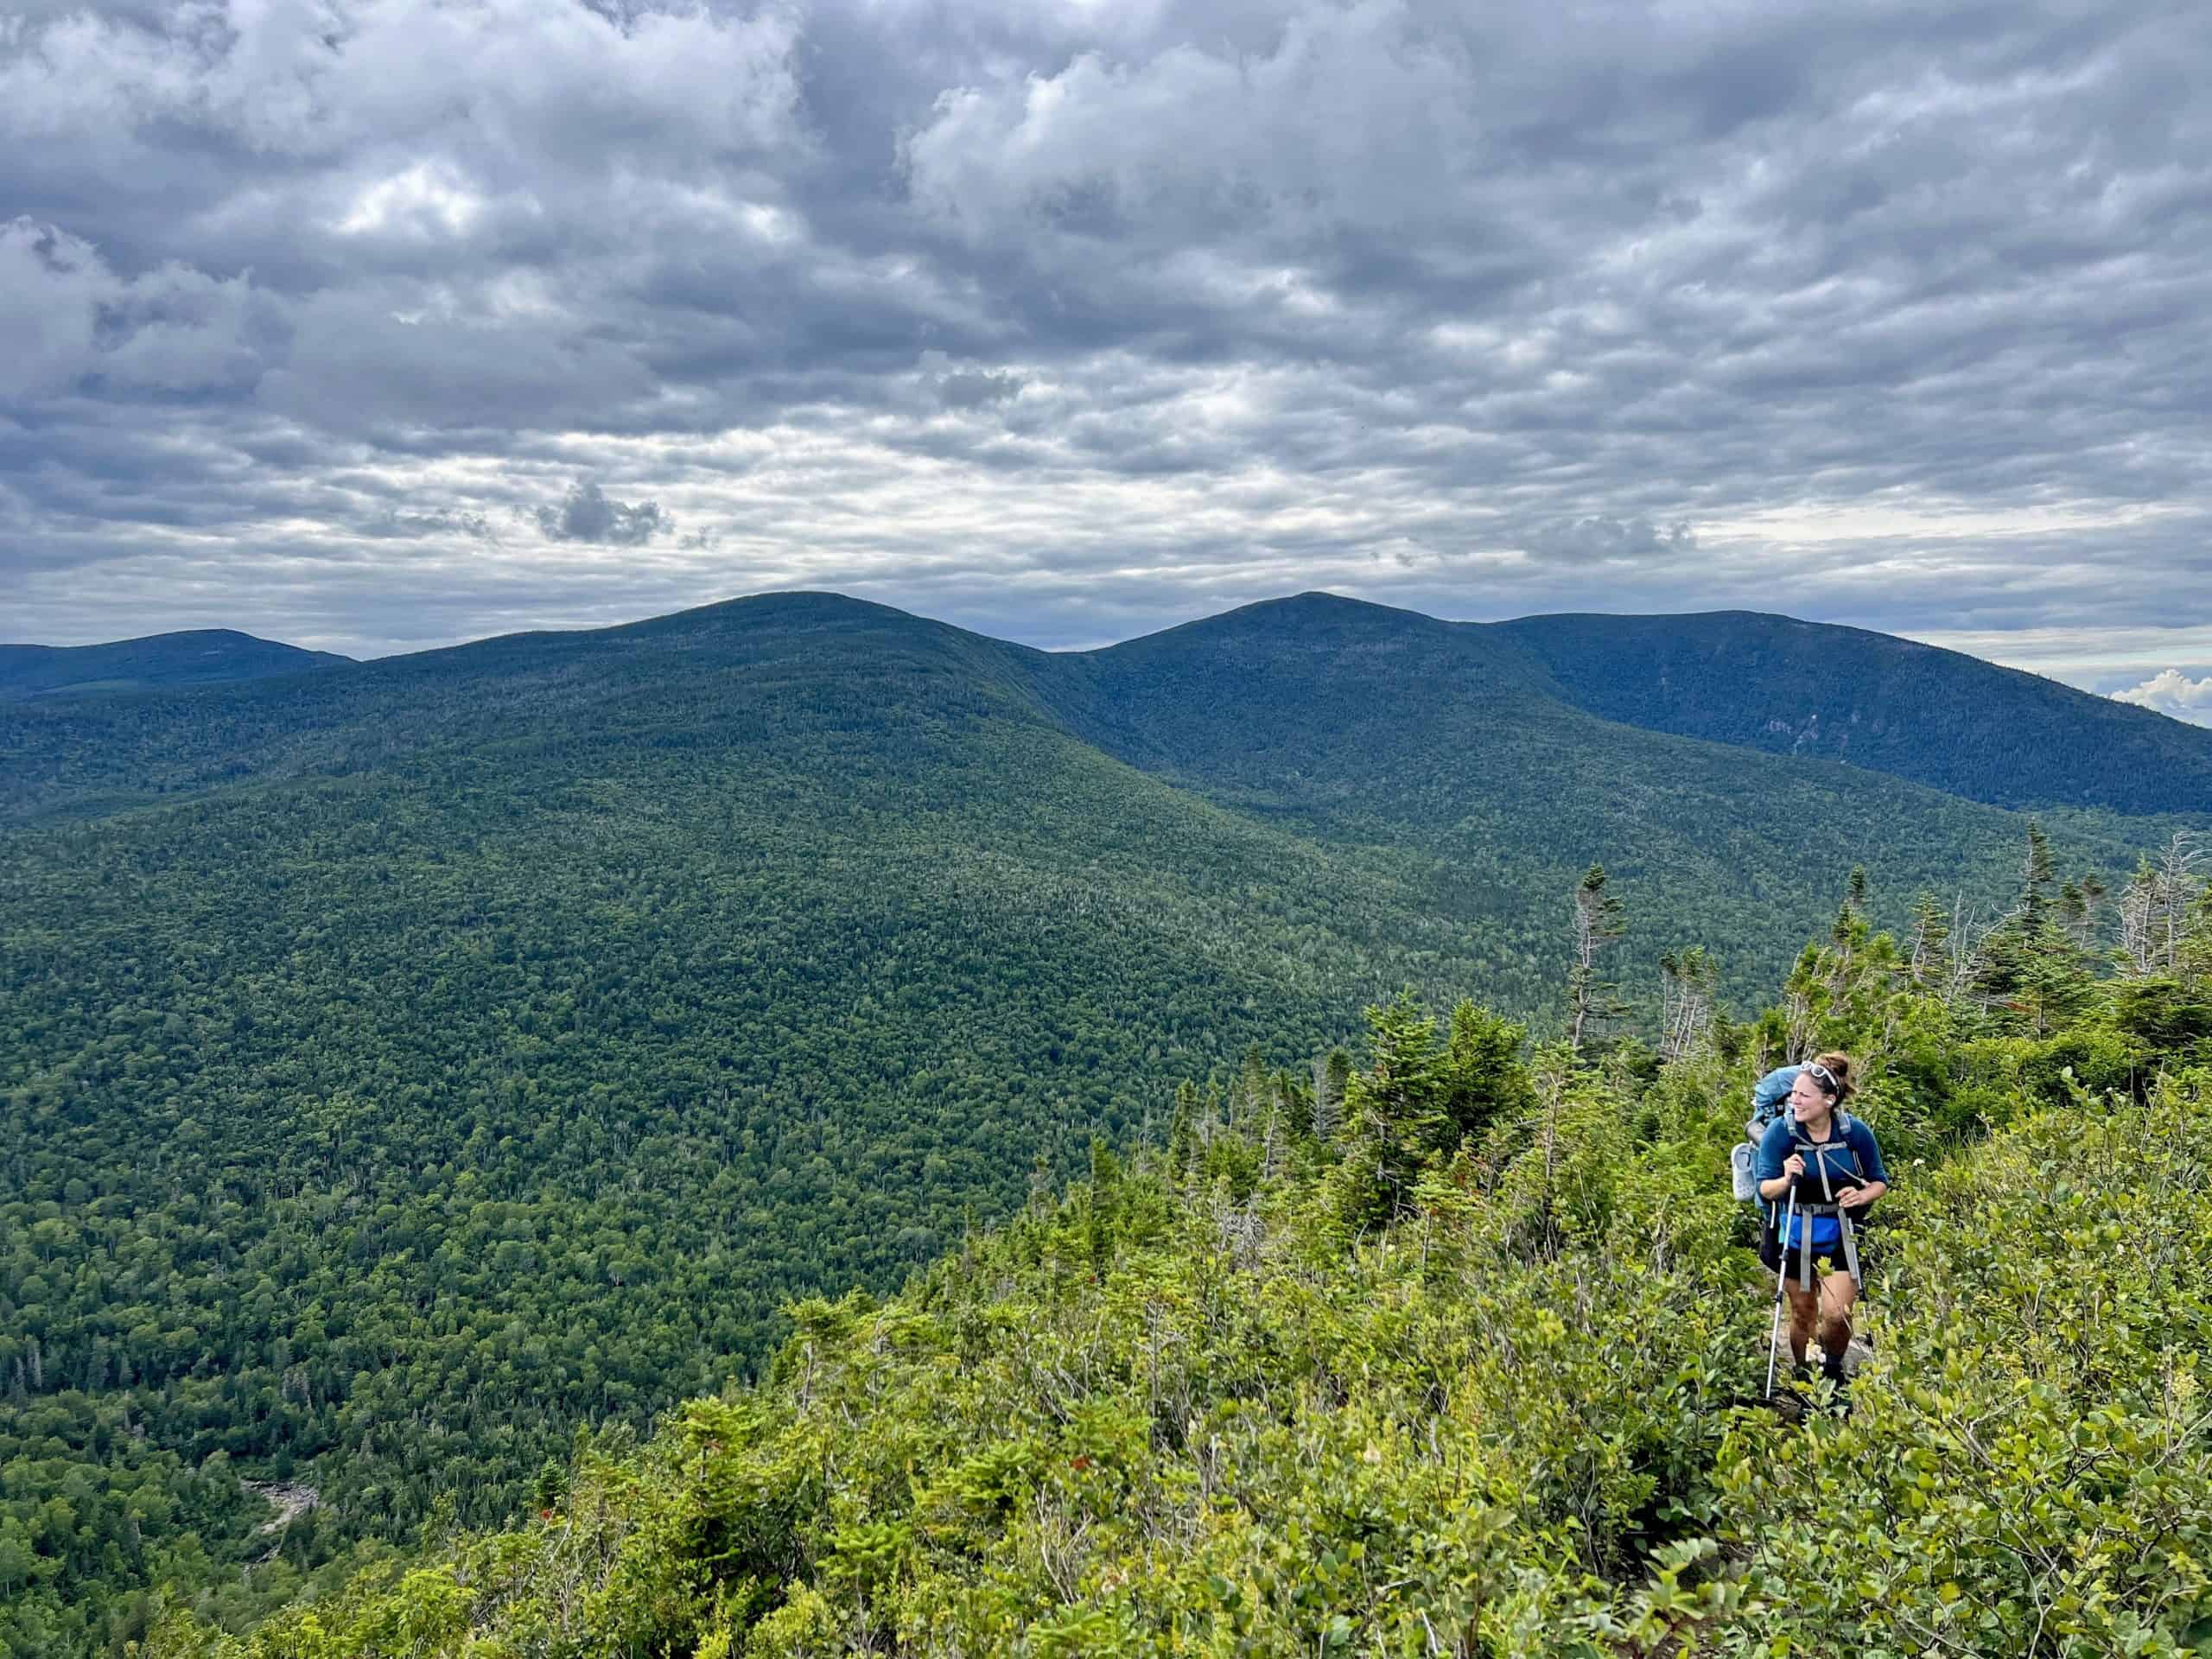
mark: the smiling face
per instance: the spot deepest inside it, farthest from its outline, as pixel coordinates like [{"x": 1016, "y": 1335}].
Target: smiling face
[{"x": 1808, "y": 1102}]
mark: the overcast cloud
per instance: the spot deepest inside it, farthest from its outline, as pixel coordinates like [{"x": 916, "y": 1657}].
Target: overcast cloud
[{"x": 374, "y": 324}]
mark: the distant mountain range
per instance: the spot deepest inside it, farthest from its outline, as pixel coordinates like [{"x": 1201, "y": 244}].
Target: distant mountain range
[
  {"x": 198, "y": 656},
  {"x": 732, "y": 955},
  {"x": 1743, "y": 678}
]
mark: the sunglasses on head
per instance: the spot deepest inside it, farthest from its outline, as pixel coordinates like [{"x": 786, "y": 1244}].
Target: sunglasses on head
[{"x": 1825, "y": 1077}]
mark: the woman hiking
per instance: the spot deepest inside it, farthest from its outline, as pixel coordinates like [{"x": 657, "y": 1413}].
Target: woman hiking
[{"x": 1830, "y": 1162}]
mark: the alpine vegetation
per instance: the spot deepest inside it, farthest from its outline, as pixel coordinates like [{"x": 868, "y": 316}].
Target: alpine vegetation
[{"x": 1461, "y": 1349}]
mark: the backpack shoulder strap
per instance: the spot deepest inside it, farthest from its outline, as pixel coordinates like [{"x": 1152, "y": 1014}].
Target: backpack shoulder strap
[{"x": 1826, "y": 1154}]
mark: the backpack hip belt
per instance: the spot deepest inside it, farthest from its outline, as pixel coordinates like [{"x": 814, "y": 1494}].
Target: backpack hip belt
[{"x": 1804, "y": 1245}]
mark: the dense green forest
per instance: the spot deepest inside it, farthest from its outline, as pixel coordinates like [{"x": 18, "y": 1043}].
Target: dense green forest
[
  {"x": 1467, "y": 1359},
  {"x": 409, "y": 1063}
]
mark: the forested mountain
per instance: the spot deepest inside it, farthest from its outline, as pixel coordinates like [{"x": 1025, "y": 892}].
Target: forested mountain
[
  {"x": 1360, "y": 723},
  {"x": 407, "y": 1063},
  {"x": 197, "y": 657},
  {"x": 1936, "y": 716},
  {"x": 1468, "y": 1360}
]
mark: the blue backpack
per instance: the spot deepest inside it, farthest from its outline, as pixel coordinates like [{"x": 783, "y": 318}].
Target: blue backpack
[{"x": 1769, "y": 1099}]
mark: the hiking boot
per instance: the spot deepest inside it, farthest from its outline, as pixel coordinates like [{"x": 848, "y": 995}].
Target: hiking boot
[{"x": 1835, "y": 1374}]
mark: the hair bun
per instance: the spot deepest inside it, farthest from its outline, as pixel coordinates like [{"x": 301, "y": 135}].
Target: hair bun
[{"x": 1839, "y": 1067}]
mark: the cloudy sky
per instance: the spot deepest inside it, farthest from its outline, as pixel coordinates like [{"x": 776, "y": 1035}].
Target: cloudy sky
[{"x": 376, "y": 324}]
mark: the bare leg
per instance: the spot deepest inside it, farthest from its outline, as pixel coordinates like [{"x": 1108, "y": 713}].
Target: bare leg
[
  {"x": 1838, "y": 1292},
  {"x": 1804, "y": 1318}
]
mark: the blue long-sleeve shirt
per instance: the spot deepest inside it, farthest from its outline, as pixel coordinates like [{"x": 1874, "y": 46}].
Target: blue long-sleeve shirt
[{"x": 1852, "y": 1158}]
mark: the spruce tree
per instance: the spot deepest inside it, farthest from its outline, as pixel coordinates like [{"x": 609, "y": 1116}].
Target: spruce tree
[
  {"x": 1182, "y": 1128},
  {"x": 1485, "y": 1078},
  {"x": 1690, "y": 989},
  {"x": 2035, "y": 879},
  {"x": 1598, "y": 923},
  {"x": 1399, "y": 1115},
  {"x": 1331, "y": 1075},
  {"x": 1931, "y": 940}
]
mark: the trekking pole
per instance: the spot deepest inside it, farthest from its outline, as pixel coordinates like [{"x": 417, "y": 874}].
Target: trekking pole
[{"x": 1781, "y": 1275}]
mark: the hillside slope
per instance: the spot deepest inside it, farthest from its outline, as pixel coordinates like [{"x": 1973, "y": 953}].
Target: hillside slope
[
  {"x": 1191, "y": 1410},
  {"x": 497, "y": 1054},
  {"x": 198, "y": 656},
  {"x": 1937, "y": 718}
]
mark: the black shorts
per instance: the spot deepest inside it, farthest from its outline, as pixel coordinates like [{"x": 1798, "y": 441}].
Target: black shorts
[{"x": 1825, "y": 1257}]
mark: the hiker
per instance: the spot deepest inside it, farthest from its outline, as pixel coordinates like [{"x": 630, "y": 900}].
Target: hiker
[{"x": 1828, "y": 1159}]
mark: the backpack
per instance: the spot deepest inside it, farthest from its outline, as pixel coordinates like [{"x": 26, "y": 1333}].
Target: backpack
[{"x": 1769, "y": 1099}]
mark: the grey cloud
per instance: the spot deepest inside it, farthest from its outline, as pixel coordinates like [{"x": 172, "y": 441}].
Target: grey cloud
[
  {"x": 66, "y": 318},
  {"x": 590, "y": 515},
  {"x": 1067, "y": 319},
  {"x": 50, "y": 291},
  {"x": 366, "y": 362},
  {"x": 1581, "y": 541},
  {"x": 974, "y": 391},
  {"x": 442, "y": 521}
]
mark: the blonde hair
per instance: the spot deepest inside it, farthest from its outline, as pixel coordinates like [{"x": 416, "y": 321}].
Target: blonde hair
[{"x": 1837, "y": 1066}]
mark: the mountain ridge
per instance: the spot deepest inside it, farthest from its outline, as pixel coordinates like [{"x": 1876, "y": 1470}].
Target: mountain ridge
[
  {"x": 1741, "y": 679},
  {"x": 1874, "y": 700},
  {"x": 1863, "y": 697},
  {"x": 153, "y": 661}
]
